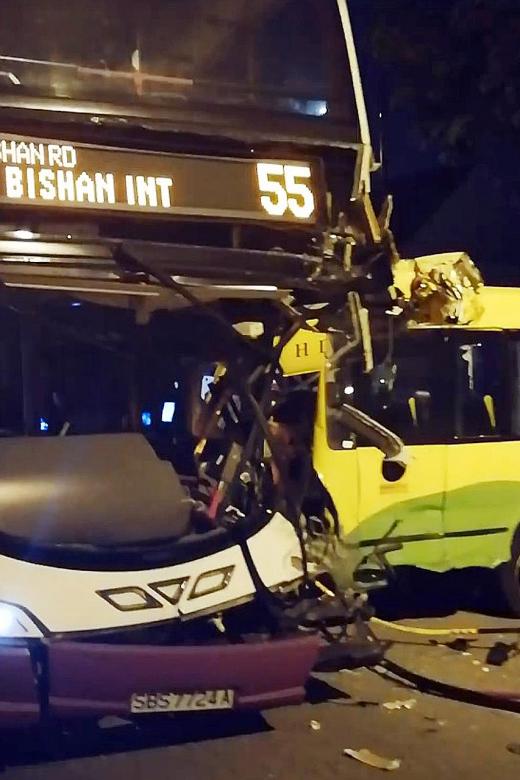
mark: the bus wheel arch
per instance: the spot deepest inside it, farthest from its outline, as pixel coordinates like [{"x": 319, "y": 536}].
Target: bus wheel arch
[{"x": 508, "y": 576}]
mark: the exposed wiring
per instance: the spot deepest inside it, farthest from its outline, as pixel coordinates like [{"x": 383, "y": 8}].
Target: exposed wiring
[{"x": 503, "y": 700}]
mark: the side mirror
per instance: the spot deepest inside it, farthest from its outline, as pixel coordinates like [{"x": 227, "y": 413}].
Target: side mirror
[{"x": 393, "y": 470}]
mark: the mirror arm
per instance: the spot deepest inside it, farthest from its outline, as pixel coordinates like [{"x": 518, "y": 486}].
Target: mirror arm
[{"x": 391, "y": 445}]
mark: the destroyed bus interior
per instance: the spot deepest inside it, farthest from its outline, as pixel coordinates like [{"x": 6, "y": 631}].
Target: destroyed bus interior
[
  {"x": 122, "y": 417},
  {"x": 135, "y": 414},
  {"x": 106, "y": 351}
]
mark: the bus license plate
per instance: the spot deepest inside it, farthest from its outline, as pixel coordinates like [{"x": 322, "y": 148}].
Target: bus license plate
[{"x": 221, "y": 699}]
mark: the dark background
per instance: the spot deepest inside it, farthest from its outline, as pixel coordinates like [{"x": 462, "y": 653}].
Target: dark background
[{"x": 442, "y": 85}]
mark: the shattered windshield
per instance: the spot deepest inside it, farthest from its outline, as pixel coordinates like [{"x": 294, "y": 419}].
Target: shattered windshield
[
  {"x": 287, "y": 56},
  {"x": 73, "y": 368}
]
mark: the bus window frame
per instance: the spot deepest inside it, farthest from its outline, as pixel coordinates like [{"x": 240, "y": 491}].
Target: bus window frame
[
  {"x": 513, "y": 362},
  {"x": 452, "y": 433},
  {"x": 439, "y": 340},
  {"x": 504, "y": 431}
]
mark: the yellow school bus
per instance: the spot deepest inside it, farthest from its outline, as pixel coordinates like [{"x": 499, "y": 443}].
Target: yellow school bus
[{"x": 452, "y": 392}]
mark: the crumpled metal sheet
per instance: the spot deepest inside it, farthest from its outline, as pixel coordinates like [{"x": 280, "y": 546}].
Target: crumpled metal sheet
[
  {"x": 339, "y": 558},
  {"x": 445, "y": 291}
]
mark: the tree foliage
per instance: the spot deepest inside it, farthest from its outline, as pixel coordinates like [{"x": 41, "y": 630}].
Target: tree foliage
[{"x": 457, "y": 64}]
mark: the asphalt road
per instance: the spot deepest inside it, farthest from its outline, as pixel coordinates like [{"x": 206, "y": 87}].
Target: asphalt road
[{"x": 437, "y": 737}]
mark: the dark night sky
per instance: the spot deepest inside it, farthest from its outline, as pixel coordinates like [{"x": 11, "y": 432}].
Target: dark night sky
[{"x": 439, "y": 207}]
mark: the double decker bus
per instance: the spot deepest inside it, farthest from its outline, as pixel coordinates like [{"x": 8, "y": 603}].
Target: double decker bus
[{"x": 181, "y": 183}]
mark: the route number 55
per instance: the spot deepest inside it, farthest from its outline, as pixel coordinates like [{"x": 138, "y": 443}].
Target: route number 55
[{"x": 285, "y": 189}]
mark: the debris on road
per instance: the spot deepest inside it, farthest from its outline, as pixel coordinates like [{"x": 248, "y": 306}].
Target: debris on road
[
  {"x": 460, "y": 645},
  {"x": 501, "y": 652},
  {"x": 315, "y": 725},
  {"x": 354, "y": 702},
  {"x": 407, "y": 704},
  {"x": 435, "y": 725},
  {"x": 514, "y": 747},
  {"x": 113, "y": 722},
  {"x": 372, "y": 759}
]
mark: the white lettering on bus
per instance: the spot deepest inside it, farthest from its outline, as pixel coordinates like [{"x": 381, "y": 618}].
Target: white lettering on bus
[
  {"x": 13, "y": 182},
  {"x": 146, "y": 191},
  {"x": 23, "y": 154},
  {"x": 85, "y": 188},
  {"x": 31, "y": 183},
  {"x": 47, "y": 188},
  {"x": 47, "y": 171},
  {"x": 65, "y": 185},
  {"x": 105, "y": 188},
  {"x": 37, "y": 154},
  {"x": 165, "y": 183},
  {"x": 8, "y": 151},
  {"x": 29, "y": 153},
  {"x": 69, "y": 156},
  {"x": 54, "y": 153},
  {"x": 130, "y": 190},
  {"x": 61, "y": 156}
]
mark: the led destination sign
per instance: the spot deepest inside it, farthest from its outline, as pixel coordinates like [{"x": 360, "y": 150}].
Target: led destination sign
[{"x": 34, "y": 172}]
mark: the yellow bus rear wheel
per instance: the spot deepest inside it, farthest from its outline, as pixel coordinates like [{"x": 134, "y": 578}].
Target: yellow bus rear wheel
[{"x": 509, "y": 578}]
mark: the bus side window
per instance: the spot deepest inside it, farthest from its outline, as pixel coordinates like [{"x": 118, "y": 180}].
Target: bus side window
[
  {"x": 415, "y": 400},
  {"x": 481, "y": 407},
  {"x": 410, "y": 391},
  {"x": 514, "y": 362}
]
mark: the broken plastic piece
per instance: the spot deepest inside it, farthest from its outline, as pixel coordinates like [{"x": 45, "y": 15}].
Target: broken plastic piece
[
  {"x": 113, "y": 722},
  {"x": 501, "y": 652},
  {"x": 408, "y": 704},
  {"x": 347, "y": 701},
  {"x": 435, "y": 721},
  {"x": 460, "y": 645},
  {"x": 372, "y": 759},
  {"x": 315, "y": 725},
  {"x": 219, "y": 624}
]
